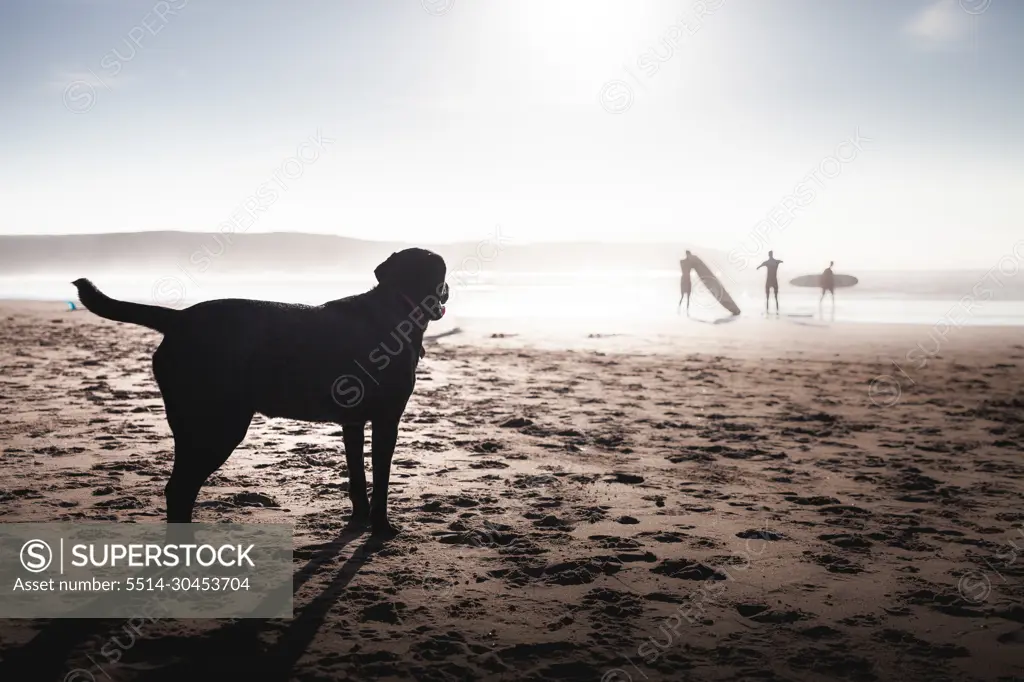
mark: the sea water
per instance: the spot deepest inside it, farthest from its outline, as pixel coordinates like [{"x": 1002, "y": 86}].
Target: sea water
[{"x": 616, "y": 300}]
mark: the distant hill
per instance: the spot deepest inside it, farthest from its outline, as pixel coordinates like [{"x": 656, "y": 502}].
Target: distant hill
[{"x": 283, "y": 251}]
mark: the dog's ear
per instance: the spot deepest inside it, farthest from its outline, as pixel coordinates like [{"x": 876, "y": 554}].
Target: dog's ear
[{"x": 387, "y": 270}]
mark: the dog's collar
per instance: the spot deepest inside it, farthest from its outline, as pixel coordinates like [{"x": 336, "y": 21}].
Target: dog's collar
[
  {"x": 412, "y": 306},
  {"x": 412, "y": 303}
]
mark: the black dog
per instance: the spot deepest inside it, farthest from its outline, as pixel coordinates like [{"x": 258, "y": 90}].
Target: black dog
[{"x": 349, "y": 362}]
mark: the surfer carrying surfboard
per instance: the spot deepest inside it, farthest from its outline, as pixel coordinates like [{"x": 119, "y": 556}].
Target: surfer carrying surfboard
[
  {"x": 773, "y": 280},
  {"x": 828, "y": 282},
  {"x": 685, "y": 288},
  {"x": 708, "y": 278}
]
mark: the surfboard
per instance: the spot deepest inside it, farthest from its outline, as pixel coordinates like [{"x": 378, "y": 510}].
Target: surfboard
[
  {"x": 815, "y": 281},
  {"x": 714, "y": 286}
]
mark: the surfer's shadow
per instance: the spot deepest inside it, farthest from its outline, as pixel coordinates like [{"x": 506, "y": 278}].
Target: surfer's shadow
[
  {"x": 720, "y": 320},
  {"x": 817, "y": 324}
]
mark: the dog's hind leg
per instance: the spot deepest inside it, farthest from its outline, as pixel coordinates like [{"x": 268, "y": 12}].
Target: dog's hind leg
[
  {"x": 384, "y": 437},
  {"x": 354, "y": 443},
  {"x": 202, "y": 443},
  {"x": 209, "y": 415}
]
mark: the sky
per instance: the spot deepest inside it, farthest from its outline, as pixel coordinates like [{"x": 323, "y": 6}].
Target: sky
[{"x": 873, "y": 133}]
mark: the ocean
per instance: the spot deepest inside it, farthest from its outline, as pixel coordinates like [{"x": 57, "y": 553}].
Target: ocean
[{"x": 613, "y": 300}]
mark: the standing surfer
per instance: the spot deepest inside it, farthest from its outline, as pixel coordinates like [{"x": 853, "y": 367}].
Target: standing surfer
[
  {"x": 685, "y": 289},
  {"x": 773, "y": 280},
  {"x": 828, "y": 284}
]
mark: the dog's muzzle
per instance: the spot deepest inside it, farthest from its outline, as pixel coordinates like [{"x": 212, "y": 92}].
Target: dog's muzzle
[
  {"x": 437, "y": 311},
  {"x": 433, "y": 305}
]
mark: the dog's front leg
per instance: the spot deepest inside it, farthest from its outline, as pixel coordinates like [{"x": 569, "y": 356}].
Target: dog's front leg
[
  {"x": 385, "y": 435},
  {"x": 353, "y": 436}
]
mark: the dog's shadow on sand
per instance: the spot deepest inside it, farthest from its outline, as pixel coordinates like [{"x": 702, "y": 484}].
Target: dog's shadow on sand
[{"x": 235, "y": 650}]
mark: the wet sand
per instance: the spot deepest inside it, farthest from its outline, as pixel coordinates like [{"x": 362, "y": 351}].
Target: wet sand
[{"x": 733, "y": 502}]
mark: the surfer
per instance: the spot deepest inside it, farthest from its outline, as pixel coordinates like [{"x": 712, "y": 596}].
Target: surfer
[
  {"x": 685, "y": 289},
  {"x": 773, "y": 280},
  {"x": 693, "y": 264},
  {"x": 828, "y": 282}
]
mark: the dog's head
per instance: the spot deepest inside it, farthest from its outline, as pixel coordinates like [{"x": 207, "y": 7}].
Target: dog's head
[{"x": 418, "y": 274}]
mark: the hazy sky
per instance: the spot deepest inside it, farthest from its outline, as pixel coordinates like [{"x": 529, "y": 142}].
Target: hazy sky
[{"x": 436, "y": 120}]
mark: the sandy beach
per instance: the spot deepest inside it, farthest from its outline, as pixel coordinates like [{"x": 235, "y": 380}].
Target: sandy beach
[{"x": 757, "y": 500}]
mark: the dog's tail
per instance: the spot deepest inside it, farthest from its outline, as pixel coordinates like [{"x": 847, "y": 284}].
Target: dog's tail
[{"x": 152, "y": 316}]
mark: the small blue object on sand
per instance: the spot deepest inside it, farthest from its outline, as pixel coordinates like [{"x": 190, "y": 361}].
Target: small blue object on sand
[{"x": 72, "y": 307}]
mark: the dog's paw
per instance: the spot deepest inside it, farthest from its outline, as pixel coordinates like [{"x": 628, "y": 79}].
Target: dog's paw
[
  {"x": 180, "y": 534},
  {"x": 384, "y": 530},
  {"x": 360, "y": 516}
]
